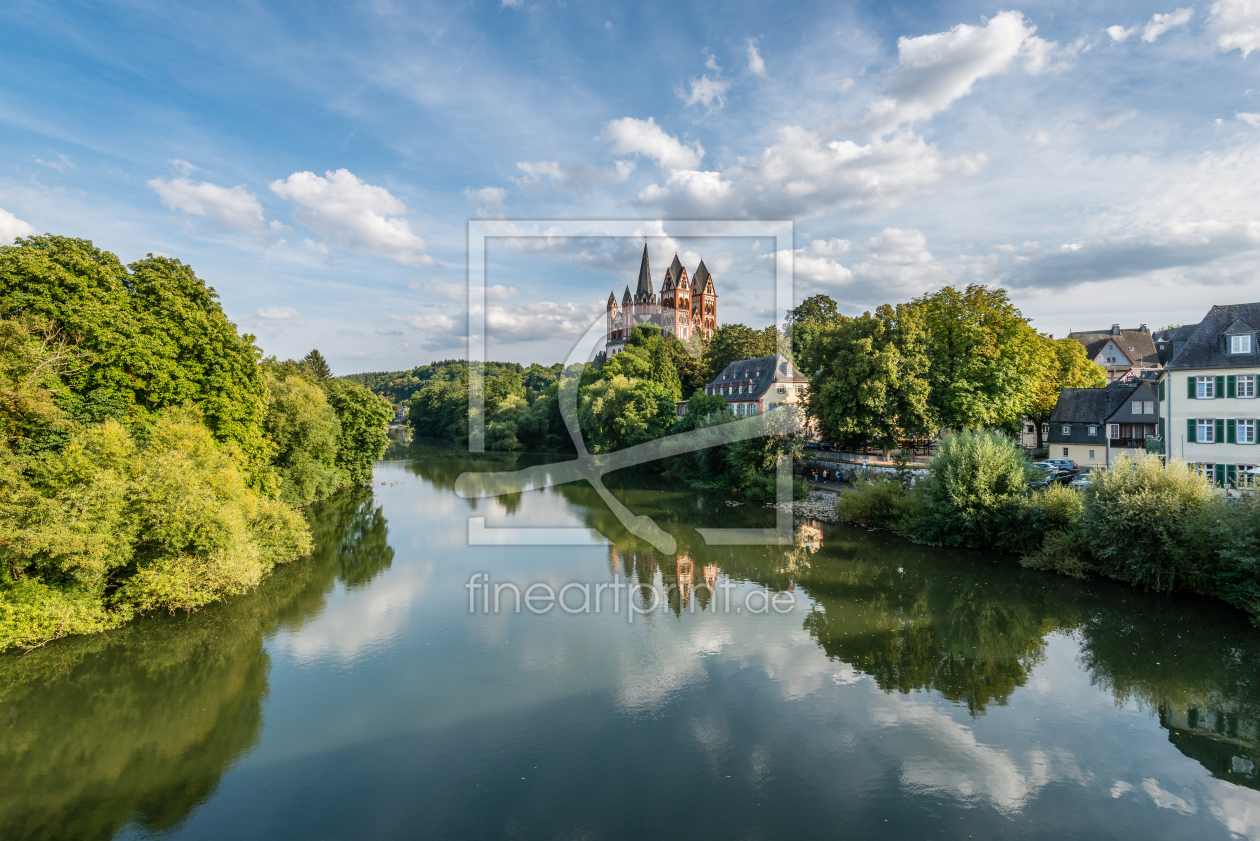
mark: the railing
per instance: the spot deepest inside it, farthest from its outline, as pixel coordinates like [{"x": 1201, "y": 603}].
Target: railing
[
  {"x": 1127, "y": 443},
  {"x": 1155, "y": 447}
]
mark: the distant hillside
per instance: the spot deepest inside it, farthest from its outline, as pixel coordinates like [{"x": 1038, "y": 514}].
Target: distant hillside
[{"x": 398, "y": 386}]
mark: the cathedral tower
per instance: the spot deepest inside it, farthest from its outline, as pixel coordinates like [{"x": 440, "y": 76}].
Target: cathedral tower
[{"x": 703, "y": 302}]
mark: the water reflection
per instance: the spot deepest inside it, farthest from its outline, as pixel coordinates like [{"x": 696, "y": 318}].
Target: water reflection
[
  {"x": 913, "y": 618},
  {"x": 140, "y": 724}
]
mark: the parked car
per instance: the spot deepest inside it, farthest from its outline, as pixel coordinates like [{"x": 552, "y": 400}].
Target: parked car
[
  {"x": 1063, "y": 464},
  {"x": 1080, "y": 481},
  {"x": 1049, "y": 475}
]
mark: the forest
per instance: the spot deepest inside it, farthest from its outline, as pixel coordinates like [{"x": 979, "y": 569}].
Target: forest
[{"x": 152, "y": 458}]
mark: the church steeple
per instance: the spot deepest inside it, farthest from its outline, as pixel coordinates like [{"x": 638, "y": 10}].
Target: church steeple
[{"x": 644, "y": 290}]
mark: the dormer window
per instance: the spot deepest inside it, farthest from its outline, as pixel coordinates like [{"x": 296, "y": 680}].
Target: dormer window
[{"x": 1240, "y": 343}]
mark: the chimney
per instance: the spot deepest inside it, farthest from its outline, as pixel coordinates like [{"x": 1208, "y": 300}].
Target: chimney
[
  {"x": 1142, "y": 327},
  {"x": 1115, "y": 329}
]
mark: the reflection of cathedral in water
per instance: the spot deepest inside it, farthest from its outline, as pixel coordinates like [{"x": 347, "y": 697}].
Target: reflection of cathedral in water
[{"x": 1227, "y": 746}]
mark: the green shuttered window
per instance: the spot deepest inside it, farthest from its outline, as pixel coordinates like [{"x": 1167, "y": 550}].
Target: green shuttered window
[
  {"x": 1229, "y": 430},
  {"x": 1190, "y": 436},
  {"x": 1161, "y": 390},
  {"x": 1220, "y": 386},
  {"x": 1190, "y": 392},
  {"x": 1220, "y": 430},
  {"x": 1230, "y": 383}
]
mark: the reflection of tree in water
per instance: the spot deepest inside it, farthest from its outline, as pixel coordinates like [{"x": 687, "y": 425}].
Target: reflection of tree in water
[
  {"x": 138, "y": 725},
  {"x": 1196, "y": 665}
]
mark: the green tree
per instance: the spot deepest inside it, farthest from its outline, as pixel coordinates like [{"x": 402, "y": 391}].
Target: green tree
[
  {"x": 804, "y": 323},
  {"x": 503, "y": 385},
  {"x": 874, "y": 386},
  {"x": 986, "y": 362},
  {"x": 733, "y": 342},
  {"x": 316, "y": 365},
  {"x": 304, "y": 430},
  {"x": 1066, "y": 366},
  {"x": 362, "y": 419},
  {"x": 619, "y": 412},
  {"x": 155, "y": 331},
  {"x": 978, "y": 480}
]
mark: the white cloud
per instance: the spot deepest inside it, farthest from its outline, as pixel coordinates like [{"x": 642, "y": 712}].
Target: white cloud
[
  {"x": 513, "y": 4},
  {"x": 896, "y": 265},
  {"x": 630, "y": 136},
  {"x": 706, "y": 91},
  {"x": 756, "y": 65},
  {"x": 276, "y": 313},
  {"x": 805, "y": 173},
  {"x": 935, "y": 70},
  {"x": 1119, "y": 33},
  {"x": 1235, "y": 25},
  {"x": 1112, "y": 118},
  {"x": 12, "y": 227},
  {"x": 711, "y": 63},
  {"x": 183, "y": 166},
  {"x": 1159, "y": 24},
  {"x": 361, "y": 217},
  {"x": 539, "y": 320},
  {"x": 486, "y": 196},
  {"x": 1249, "y": 117},
  {"x": 564, "y": 176},
  {"x": 230, "y": 208}
]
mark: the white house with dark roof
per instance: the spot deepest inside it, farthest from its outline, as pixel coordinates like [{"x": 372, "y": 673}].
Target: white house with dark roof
[
  {"x": 1123, "y": 354},
  {"x": 1208, "y": 393},
  {"x": 753, "y": 386}
]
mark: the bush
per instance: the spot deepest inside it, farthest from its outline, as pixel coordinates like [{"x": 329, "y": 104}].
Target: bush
[
  {"x": 978, "y": 478},
  {"x": 1137, "y": 517},
  {"x": 883, "y": 503},
  {"x": 1064, "y": 552},
  {"x": 111, "y": 526}
]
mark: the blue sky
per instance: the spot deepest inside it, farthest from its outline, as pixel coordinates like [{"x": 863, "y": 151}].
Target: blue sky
[{"x": 318, "y": 165}]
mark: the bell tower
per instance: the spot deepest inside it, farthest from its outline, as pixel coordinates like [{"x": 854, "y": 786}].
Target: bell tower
[{"x": 703, "y": 302}]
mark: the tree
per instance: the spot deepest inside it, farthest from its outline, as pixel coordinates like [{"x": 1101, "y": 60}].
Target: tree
[
  {"x": 985, "y": 361},
  {"x": 155, "y": 331},
  {"x": 733, "y": 342},
  {"x": 363, "y": 418},
  {"x": 619, "y": 412},
  {"x": 873, "y": 388},
  {"x": 305, "y": 431},
  {"x": 1067, "y": 366},
  {"x": 803, "y": 325},
  {"x": 316, "y": 365}
]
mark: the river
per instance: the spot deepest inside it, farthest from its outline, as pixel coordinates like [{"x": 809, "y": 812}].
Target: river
[{"x": 851, "y": 685}]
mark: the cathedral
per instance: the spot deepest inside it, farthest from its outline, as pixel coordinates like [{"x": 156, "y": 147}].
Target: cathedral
[{"x": 683, "y": 307}]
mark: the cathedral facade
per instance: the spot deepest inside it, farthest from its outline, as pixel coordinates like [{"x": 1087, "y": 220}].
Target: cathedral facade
[{"x": 684, "y": 307}]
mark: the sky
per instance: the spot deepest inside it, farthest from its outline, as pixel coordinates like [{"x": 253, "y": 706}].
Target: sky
[{"x": 319, "y": 165}]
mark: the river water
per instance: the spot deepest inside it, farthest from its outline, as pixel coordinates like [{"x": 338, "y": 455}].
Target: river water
[{"x": 851, "y": 685}]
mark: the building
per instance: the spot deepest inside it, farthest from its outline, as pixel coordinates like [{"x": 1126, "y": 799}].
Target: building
[
  {"x": 685, "y": 307},
  {"x": 753, "y": 386},
  {"x": 1091, "y": 426},
  {"x": 1208, "y": 393},
  {"x": 1123, "y": 354}
]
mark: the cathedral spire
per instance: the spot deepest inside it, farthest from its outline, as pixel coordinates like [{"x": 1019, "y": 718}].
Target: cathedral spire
[{"x": 645, "y": 276}]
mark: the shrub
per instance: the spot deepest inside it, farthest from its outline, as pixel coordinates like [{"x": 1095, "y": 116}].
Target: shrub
[
  {"x": 1064, "y": 552},
  {"x": 884, "y": 503},
  {"x": 977, "y": 479},
  {"x": 1137, "y": 515}
]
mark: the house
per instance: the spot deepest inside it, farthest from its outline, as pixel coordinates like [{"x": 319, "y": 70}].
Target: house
[
  {"x": 1208, "y": 393},
  {"x": 753, "y": 386},
  {"x": 1123, "y": 354},
  {"x": 1091, "y": 426}
]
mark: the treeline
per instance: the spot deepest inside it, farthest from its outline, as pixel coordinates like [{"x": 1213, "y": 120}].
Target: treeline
[
  {"x": 150, "y": 458},
  {"x": 1143, "y": 522},
  {"x": 954, "y": 359}
]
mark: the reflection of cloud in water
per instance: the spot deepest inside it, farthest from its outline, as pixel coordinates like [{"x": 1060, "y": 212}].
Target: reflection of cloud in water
[
  {"x": 1121, "y": 787},
  {"x": 713, "y": 737},
  {"x": 363, "y": 620},
  {"x": 1165, "y": 799},
  {"x": 1235, "y": 807}
]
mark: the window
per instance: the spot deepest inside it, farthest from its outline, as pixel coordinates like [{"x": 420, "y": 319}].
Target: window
[
  {"x": 1207, "y": 470},
  {"x": 1136, "y": 407},
  {"x": 782, "y": 388},
  {"x": 1031, "y": 429},
  {"x": 800, "y": 389},
  {"x": 1113, "y": 430},
  {"x": 1206, "y": 388},
  {"x": 1091, "y": 455},
  {"x": 1093, "y": 430},
  {"x": 1045, "y": 429},
  {"x": 1067, "y": 429},
  {"x": 1111, "y": 360},
  {"x": 1205, "y": 430},
  {"x": 741, "y": 389},
  {"x": 1240, "y": 344},
  {"x": 1247, "y": 385},
  {"x": 1065, "y": 455},
  {"x": 1148, "y": 407},
  {"x": 772, "y": 407},
  {"x": 1246, "y": 431}
]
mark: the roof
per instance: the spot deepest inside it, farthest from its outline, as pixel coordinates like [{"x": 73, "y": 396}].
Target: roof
[
  {"x": 773, "y": 369},
  {"x": 1091, "y": 405},
  {"x": 699, "y": 278},
  {"x": 1205, "y": 346},
  {"x": 645, "y": 275},
  {"x": 675, "y": 269},
  {"x": 1142, "y": 355},
  {"x": 612, "y": 299}
]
